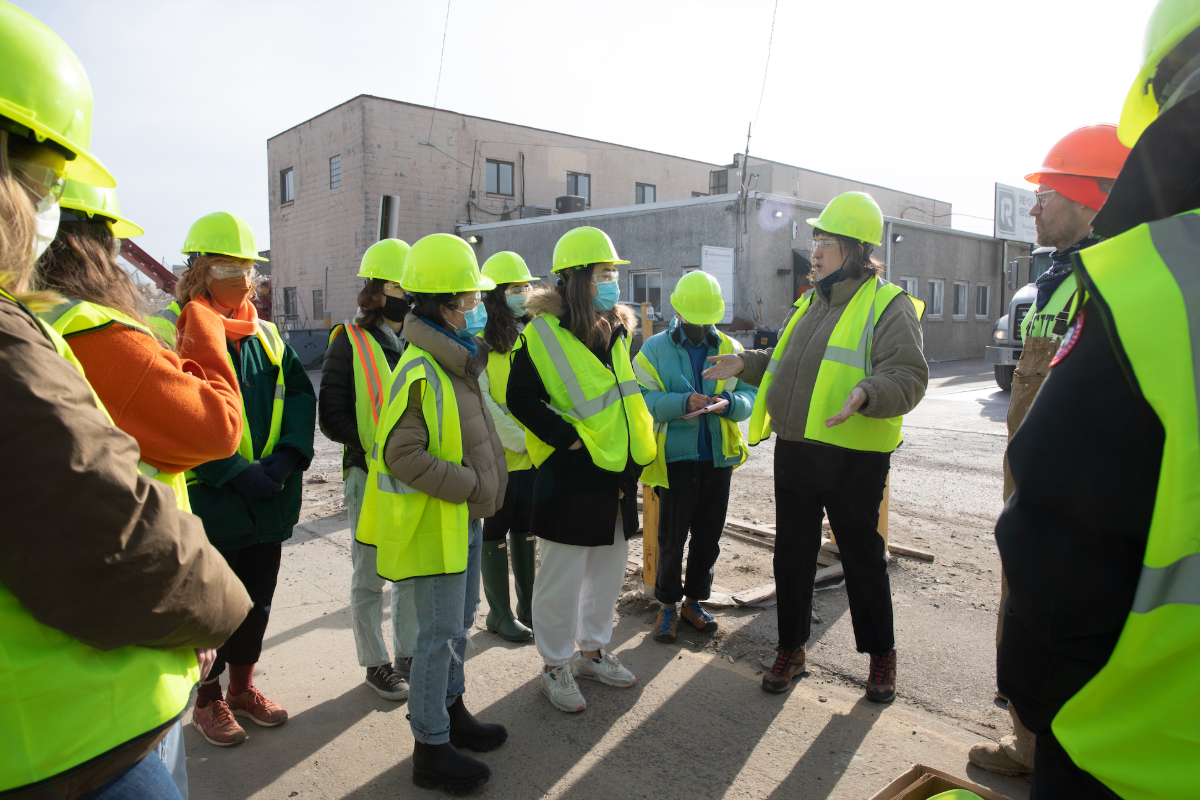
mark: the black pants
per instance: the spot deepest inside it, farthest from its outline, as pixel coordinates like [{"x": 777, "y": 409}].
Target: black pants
[
  {"x": 257, "y": 567},
  {"x": 696, "y": 500},
  {"x": 516, "y": 514},
  {"x": 848, "y": 486},
  {"x": 1055, "y": 775}
]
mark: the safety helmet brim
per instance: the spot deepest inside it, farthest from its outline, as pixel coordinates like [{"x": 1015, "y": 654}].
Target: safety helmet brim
[
  {"x": 84, "y": 167},
  {"x": 1140, "y": 107},
  {"x": 831, "y": 228}
]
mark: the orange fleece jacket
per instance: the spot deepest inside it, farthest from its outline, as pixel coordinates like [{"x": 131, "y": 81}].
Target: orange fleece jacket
[{"x": 183, "y": 409}]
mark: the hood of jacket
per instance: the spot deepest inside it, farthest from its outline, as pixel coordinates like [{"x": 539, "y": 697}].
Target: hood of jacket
[
  {"x": 450, "y": 354},
  {"x": 548, "y": 301}
]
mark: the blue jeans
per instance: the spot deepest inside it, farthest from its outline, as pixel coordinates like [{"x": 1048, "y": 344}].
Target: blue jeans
[
  {"x": 146, "y": 780},
  {"x": 366, "y": 591},
  {"x": 173, "y": 757},
  {"x": 445, "y": 615}
]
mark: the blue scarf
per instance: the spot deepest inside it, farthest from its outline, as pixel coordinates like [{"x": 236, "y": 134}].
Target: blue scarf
[{"x": 1060, "y": 269}]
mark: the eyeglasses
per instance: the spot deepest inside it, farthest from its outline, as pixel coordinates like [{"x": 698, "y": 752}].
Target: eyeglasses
[
  {"x": 822, "y": 244},
  {"x": 606, "y": 277},
  {"x": 466, "y": 302},
  {"x": 1042, "y": 197},
  {"x": 39, "y": 178},
  {"x": 233, "y": 271},
  {"x": 526, "y": 289}
]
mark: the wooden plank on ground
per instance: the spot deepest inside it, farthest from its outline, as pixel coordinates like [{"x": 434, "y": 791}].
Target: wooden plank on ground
[
  {"x": 750, "y": 527},
  {"x": 829, "y": 573},
  {"x": 911, "y": 552},
  {"x": 757, "y": 595},
  {"x": 749, "y": 537}
]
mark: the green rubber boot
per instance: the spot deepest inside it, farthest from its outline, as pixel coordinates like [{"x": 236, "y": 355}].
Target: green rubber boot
[
  {"x": 524, "y": 567},
  {"x": 500, "y": 620}
]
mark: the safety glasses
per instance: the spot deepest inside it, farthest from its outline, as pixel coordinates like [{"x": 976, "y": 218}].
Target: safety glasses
[
  {"x": 392, "y": 286},
  {"x": 233, "y": 271},
  {"x": 466, "y": 302},
  {"x": 823, "y": 244},
  {"x": 526, "y": 289},
  {"x": 606, "y": 277},
  {"x": 1044, "y": 197},
  {"x": 37, "y": 178}
]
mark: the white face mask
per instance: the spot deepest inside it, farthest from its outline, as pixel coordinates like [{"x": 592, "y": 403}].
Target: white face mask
[{"x": 47, "y": 225}]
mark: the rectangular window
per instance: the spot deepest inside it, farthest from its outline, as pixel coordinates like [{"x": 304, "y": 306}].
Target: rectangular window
[
  {"x": 580, "y": 185},
  {"x": 937, "y": 293},
  {"x": 287, "y": 187},
  {"x": 646, "y": 287},
  {"x": 982, "y": 296},
  {"x": 718, "y": 181},
  {"x": 500, "y": 177},
  {"x": 960, "y": 299},
  {"x": 318, "y": 303},
  {"x": 335, "y": 172},
  {"x": 644, "y": 193},
  {"x": 909, "y": 285},
  {"x": 290, "y": 298}
]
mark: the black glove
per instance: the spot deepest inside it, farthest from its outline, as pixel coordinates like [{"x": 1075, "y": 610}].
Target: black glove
[
  {"x": 254, "y": 481},
  {"x": 280, "y": 464}
]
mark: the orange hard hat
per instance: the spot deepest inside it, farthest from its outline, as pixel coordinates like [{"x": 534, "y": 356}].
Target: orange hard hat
[{"x": 1093, "y": 151}]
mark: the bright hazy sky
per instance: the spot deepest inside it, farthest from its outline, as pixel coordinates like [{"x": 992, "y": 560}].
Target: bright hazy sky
[{"x": 941, "y": 99}]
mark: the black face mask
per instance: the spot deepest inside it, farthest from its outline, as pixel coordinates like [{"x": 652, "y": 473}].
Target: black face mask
[
  {"x": 695, "y": 333},
  {"x": 394, "y": 308}
]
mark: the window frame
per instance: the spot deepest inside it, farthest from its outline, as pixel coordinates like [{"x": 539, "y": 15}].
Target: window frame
[
  {"x": 936, "y": 311},
  {"x": 723, "y": 183},
  {"x": 335, "y": 175},
  {"x": 487, "y": 177},
  {"x": 287, "y": 186},
  {"x": 639, "y": 190},
  {"x": 321, "y": 306},
  {"x": 966, "y": 295},
  {"x": 987, "y": 305},
  {"x": 291, "y": 300},
  {"x": 910, "y": 281},
  {"x": 587, "y": 198},
  {"x": 633, "y": 275}
]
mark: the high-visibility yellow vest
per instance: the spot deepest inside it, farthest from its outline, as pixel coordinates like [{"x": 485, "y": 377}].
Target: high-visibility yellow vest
[
  {"x": 605, "y": 406},
  {"x": 371, "y": 371},
  {"x": 163, "y": 322},
  {"x": 65, "y": 703},
  {"x": 1135, "y": 726},
  {"x": 847, "y": 360},
  {"x": 733, "y": 443},
  {"x": 499, "y": 367},
  {"x": 414, "y": 534},
  {"x": 77, "y": 317},
  {"x": 1040, "y": 322}
]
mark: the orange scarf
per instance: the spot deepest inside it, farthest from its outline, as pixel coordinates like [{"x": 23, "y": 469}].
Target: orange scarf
[{"x": 244, "y": 322}]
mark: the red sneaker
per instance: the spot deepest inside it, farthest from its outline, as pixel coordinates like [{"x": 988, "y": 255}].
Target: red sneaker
[
  {"x": 217, "y": 725},
  {"x": 255, "y": 705}
]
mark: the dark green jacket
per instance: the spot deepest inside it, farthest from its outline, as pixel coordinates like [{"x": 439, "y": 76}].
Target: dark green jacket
[{"x": 231, "y": 519}]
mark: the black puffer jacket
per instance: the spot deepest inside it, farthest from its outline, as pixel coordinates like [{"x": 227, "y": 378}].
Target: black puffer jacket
[{"x": 335, "y": 411}]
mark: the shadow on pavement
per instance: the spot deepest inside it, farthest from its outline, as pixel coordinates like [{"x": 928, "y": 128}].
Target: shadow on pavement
[
  {"x": 333, "y": 619},
  {"x": 831, "y": 752}
]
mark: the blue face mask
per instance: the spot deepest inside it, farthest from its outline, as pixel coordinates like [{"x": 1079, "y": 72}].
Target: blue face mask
[
  {"x": 476, "y": 320},
  {"x": 606, "y": 295},
  {"x": 517, "y": 303}
]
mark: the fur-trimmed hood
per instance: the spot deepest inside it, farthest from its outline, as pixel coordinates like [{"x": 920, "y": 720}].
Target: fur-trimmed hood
[{"x": 547, "y": 300}]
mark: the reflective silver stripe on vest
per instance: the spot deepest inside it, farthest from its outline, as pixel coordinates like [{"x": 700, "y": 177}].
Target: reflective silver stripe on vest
[
  {"x": 147, "y": 470},
  {"x": 504, "y": 408},
  {"x": 860, "y": 358},
  {"x": 55, "y": 314},
  {"x": 278, "y": 392},
  {"x": 1174, "y": 584},
  {"x": 583, "y": 408},
  {"x": 393, "y": 485},
  {"x": 646, "y": 378},
  {"x": 1177, "y": 240},
  {"x": 431, "y": 376}
]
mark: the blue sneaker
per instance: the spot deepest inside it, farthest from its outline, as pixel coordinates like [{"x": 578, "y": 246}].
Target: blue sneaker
[
  {"x": 666, "y": 627},
  {"x": 699, "y": 617}
]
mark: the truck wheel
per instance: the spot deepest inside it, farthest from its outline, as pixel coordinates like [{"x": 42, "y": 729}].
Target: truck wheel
[{"x": 1004, "y": 376}]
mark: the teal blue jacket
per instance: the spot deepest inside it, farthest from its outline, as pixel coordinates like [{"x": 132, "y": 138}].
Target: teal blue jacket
[{"x": 665, "y": 352}]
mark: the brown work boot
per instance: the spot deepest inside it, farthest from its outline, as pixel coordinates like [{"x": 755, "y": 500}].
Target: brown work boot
[
  {"x": 255, "y": 705},
  {"x": 996, "y": 758},
  {"x": 881, "y": 683},
  {"x": 788, "y": 664},
  {"x": 699, "y": 618},
  {"x": 666, "y": 627},
  {"x": 217, "y": 725}
]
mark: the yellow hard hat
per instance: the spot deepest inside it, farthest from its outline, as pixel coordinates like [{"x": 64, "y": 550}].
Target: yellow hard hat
[
  {"x": 46, "y": 94},
  {"x": 1170, "y": 22},
  {"x": 697, "y": 298},
  {"x": 221, "y": 233},
  {"x": 507, "y": 267},
  {"x": 93, "y": 201},
  {"x": 582, "y": 246},
  {"x": 442, "y": 263},
  {"x": 853, "y": 214},
  {"x": 385, "y": 260},
  {"x": 956, "y": 794}
]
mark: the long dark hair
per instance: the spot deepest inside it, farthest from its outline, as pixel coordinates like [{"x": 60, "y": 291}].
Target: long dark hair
[
  {"x": 429, "y": 307},
  {"x": 859, "y": 261},
  {"x": 581, "y": 318},
  {"x": 370, "y": 303},
  {"x": 501, "y": 330}
]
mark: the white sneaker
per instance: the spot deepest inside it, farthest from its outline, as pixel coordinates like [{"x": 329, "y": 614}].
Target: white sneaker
[
  {"x": 606, "y": 669},
  {"x": 559, "y": 686}
]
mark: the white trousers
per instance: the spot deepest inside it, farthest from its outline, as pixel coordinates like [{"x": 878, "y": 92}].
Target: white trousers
[{"x": 574, "y": 596}]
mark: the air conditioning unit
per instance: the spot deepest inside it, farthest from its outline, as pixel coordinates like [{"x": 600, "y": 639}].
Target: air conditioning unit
[
  {"x": 569, "y": 203},
  {"x": 528, "y": 212}
]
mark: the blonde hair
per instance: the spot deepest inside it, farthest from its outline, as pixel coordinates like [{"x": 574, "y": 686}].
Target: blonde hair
[
  {"x": 17, "y": 229},
  {"x": 194, "y": 282}
]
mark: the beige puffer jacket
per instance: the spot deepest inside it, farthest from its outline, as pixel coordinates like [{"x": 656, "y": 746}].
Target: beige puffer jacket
[{"x": 481, "y": 480}]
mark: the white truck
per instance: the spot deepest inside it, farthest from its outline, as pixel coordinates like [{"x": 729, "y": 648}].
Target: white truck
[{"x": 1006, "y": 334}]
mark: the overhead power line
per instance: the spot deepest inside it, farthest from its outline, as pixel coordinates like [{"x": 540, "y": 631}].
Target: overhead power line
[
  {"x": 438, "y": 86},
  {"x": 767, "y": 67}
]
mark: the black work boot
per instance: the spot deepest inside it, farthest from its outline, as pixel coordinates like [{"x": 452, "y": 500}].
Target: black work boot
[
  {"x": 442, "y": 766},
  {"x": 468, "y": 732},
  {"x": 523, "y": 552}
]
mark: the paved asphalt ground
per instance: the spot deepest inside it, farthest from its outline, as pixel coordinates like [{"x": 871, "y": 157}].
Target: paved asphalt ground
[{"x": 697, "y": 725}]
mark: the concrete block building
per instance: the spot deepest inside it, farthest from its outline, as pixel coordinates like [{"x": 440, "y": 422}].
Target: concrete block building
[{"x": 373, "y": 168}]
